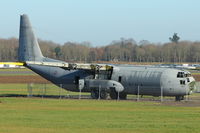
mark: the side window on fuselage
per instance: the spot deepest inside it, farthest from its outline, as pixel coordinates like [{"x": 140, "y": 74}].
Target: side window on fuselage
[{"x": 120, "y": 79}]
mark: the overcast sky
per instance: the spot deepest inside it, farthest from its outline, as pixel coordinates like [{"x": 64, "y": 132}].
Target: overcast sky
[{"x": 101, "y": 21}]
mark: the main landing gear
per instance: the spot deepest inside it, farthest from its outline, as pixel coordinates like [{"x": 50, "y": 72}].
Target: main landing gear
[
  {"x": 103, "y": 94},
  {"x": 114, "y": 95},
  {"x": 179, "y": 98},
  {"x": 96, "y": 94}
]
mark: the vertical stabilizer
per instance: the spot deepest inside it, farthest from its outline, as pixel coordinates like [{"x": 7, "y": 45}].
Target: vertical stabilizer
[{"x": 29, "y": 49}]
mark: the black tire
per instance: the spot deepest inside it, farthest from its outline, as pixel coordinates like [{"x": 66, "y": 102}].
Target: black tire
[
  {"x": 103, "y": 94},
  {"x": 114, "y": 95},
  {"x": 123, "y": 96},
  {"x": 95, "y": 94},
  {"x": 179, "y": 98}
]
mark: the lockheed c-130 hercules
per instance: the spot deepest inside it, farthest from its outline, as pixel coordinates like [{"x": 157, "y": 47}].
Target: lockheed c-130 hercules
[{"x": 116, "y": 80}]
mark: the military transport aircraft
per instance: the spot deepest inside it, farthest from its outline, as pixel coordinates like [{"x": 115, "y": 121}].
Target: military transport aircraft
[{"x": 116, "y": 80}]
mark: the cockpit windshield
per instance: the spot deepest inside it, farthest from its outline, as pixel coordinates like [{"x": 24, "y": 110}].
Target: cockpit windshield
[
  {"x": 188, "y": 75},
  {"x": 183, "y": 74},
  {"x": 180, "y": 75}
]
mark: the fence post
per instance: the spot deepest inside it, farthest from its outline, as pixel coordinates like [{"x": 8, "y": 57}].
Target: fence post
[
  {"x": 79, "y": 93},
  {"x": 30, "y": 87},
  {"x": 138, "y": 93},
  {"x": 43, "y": 90},
  {"x": 186, "y": 95},
  {"x": 161, "y": 95},
  {"x": 99, "y": 92},
  {"x": 118, "y": 95},
  {"x": 60, "y": 92}
]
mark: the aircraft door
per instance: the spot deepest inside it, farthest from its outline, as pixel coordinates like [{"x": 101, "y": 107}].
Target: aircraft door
[
  {"x": 120, "y": 79},
  {"x": 76, "y": 80}
]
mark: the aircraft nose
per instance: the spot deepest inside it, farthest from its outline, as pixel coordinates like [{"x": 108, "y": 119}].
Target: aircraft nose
[{"x": 192, "y": 86}]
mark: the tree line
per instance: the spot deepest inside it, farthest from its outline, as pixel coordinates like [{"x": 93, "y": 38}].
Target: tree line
[{"x": 126, "y": 50}]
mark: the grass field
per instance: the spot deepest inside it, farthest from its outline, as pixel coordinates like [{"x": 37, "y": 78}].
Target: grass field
[
  {"x": 54, "y": 115},
  {"x": 37, "y": 89},
  {"x": 14, "y": 69},
  {"x": 22, "y": 115}
]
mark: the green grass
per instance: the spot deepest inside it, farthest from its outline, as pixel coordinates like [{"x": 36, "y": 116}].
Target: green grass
[
  {"x": 13, "y": 89},
  {"x": 35, "y": 115},
  {"x": 37, "y": 89},
  {"x": 22, "y": 115},
  {"x": 17, "y": 74},
  {"x": 14, "y": 69}
]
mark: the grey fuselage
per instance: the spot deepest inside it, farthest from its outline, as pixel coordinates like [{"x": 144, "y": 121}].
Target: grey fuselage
[{"x": 149, "y": 80}]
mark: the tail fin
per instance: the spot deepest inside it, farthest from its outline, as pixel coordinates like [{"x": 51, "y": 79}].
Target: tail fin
[{"x": 29, "y": 49}]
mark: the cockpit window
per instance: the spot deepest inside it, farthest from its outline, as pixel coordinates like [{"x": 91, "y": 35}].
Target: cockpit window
[
  {"x": 183, "y": 74},
  {"x": 187, "y": 75},
  {"x": 182, "y": 82},
  {"x": 180, "y": 75}
]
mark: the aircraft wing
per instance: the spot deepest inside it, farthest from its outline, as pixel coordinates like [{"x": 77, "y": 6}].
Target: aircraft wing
[{"x": 72, "y": 66}]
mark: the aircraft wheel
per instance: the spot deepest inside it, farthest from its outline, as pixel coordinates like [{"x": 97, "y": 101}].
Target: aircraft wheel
[
  {"x": 179, "y": 98},
  {"x": 103, "y": 94},
  {"x": 95, "y": 94},
  {"x": 113, "y": 94},
  {"x": 123, "y": 96}
]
